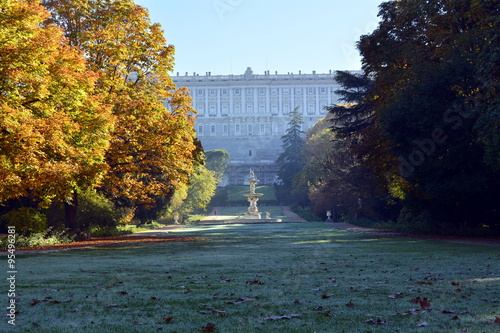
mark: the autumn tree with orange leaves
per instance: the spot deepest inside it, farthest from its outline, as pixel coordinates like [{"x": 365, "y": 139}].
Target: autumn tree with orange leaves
[
  {"x": 83, "y": 88},
  {"x": 152, "y": 149},
  {"x": 54, "y": 130}
]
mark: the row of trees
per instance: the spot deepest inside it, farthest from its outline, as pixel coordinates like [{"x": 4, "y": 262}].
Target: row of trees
[
  {"x": 417, "y": 139},
  {"x": 83, "y": 85}
]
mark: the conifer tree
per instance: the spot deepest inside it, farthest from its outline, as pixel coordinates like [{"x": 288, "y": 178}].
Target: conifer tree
[{"x": 291, "y": 160}]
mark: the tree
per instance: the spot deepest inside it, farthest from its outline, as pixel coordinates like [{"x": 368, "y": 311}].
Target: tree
[
  {"x": 432, "y": 106},
  {"x": 217, "y": 160},
  {"x": 153, "y": 149},
  {"x": 291, "y": 160},
  {"x": 197, "y": 194},
  {"x": 333, "y": 176},
  {"x": 54, "y": 131}
]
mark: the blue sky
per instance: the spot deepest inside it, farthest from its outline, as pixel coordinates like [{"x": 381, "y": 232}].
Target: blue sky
[{"x": 227, "y": 36}]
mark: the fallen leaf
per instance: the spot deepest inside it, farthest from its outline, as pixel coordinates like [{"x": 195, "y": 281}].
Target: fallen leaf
[
  {"x": 155, "y": 298},
  {"x": 455, "y": 318},
  {"x": 35, "y": 302},
  {"x": 398, "y": 295},
  {"x": 209, "y": 328},
  {"x": 327, "y": 313},
  {"x": 255, "y": 282},
  {"x": 425, "y": 283},
  {"x": 289, "y": 316},
  {"x": 377, "y": 322},
  {"x": 325, "y": 296},
  {"x": 423, "y": 324},
  {"x": 455, "y": 283},
  {"x": 241, "y": 300},
  {"x": 296, "y": 301},
  {"x": 219, "y": 313},
  {"x": 168, "y": 319},
  {"x": 425, "y": 303},
  {"x": 123, "y": 292},
  {"x": 497, "y": 321},
  {"x": 350, "y": 304}
]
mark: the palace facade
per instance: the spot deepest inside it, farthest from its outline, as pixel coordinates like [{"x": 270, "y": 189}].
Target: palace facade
[{"x": 248, "y": 114}]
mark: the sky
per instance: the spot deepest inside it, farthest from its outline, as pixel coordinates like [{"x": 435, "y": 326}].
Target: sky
[{"x": 287, "y": 36}]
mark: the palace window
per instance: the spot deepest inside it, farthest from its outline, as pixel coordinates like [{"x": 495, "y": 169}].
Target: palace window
[
  {"x": 236, "y": 91},
  {"x": 274, "y": 109},
  {"x": 213, "y": 111}
]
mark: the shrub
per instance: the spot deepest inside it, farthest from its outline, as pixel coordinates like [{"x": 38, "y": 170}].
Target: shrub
[
  {"x": 415, "y": 221},
  {"x": 94, "y": 210},
  {"x": 26, "y": 220},
  {"x": 50, "y": 237}
]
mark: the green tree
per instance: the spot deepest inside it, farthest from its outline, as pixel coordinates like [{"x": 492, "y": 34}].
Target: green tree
[
  {"x": 217, "y": 160},
  {"x": 291, "y": 160},
  {"x": 197, "y": 194},
  {"x": 435, "y": 106}
]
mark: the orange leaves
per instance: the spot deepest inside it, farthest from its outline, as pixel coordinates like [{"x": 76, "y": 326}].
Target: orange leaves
[{"x": 53, "y": 130}]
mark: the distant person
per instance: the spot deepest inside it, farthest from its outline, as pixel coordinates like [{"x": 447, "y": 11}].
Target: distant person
[{"x": 216, "y": 212}]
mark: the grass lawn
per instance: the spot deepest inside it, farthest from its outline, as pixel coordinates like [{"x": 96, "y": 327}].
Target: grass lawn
[{"x": 302, "y": 277}]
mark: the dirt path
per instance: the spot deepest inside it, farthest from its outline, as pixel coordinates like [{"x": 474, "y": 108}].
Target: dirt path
[
  {"x": 292, "y": 217},
  {"x": 151, "y": 236},
  {"x": 382, "y": 233}
]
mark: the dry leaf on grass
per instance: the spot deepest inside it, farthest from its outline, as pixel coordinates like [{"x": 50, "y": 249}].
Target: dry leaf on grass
[{"x": 289, "y": 316}]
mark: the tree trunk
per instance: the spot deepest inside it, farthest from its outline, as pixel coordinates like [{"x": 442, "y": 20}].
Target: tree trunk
[
  {"x": 71, "y": 214},
  {"x": 52, "y": 218}
]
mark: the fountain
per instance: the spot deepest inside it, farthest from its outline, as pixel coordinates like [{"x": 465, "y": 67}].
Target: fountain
[
  {"x": 253, "y": 212},
  {"x": 252, "y": 215}
]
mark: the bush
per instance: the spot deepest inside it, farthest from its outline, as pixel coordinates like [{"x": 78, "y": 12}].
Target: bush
[
  {"x": 108, "y": 231},
  {"x": 94, "y": 210},
  {"x": 39, "y": 239},
  {"x": 415, "y": 221},
  {"x": 193, "y": 219},
  {"x": 26, "y": 220}
]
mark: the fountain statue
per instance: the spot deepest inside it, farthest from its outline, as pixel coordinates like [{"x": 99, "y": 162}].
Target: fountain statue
[{"x": 253, "y": 211}]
